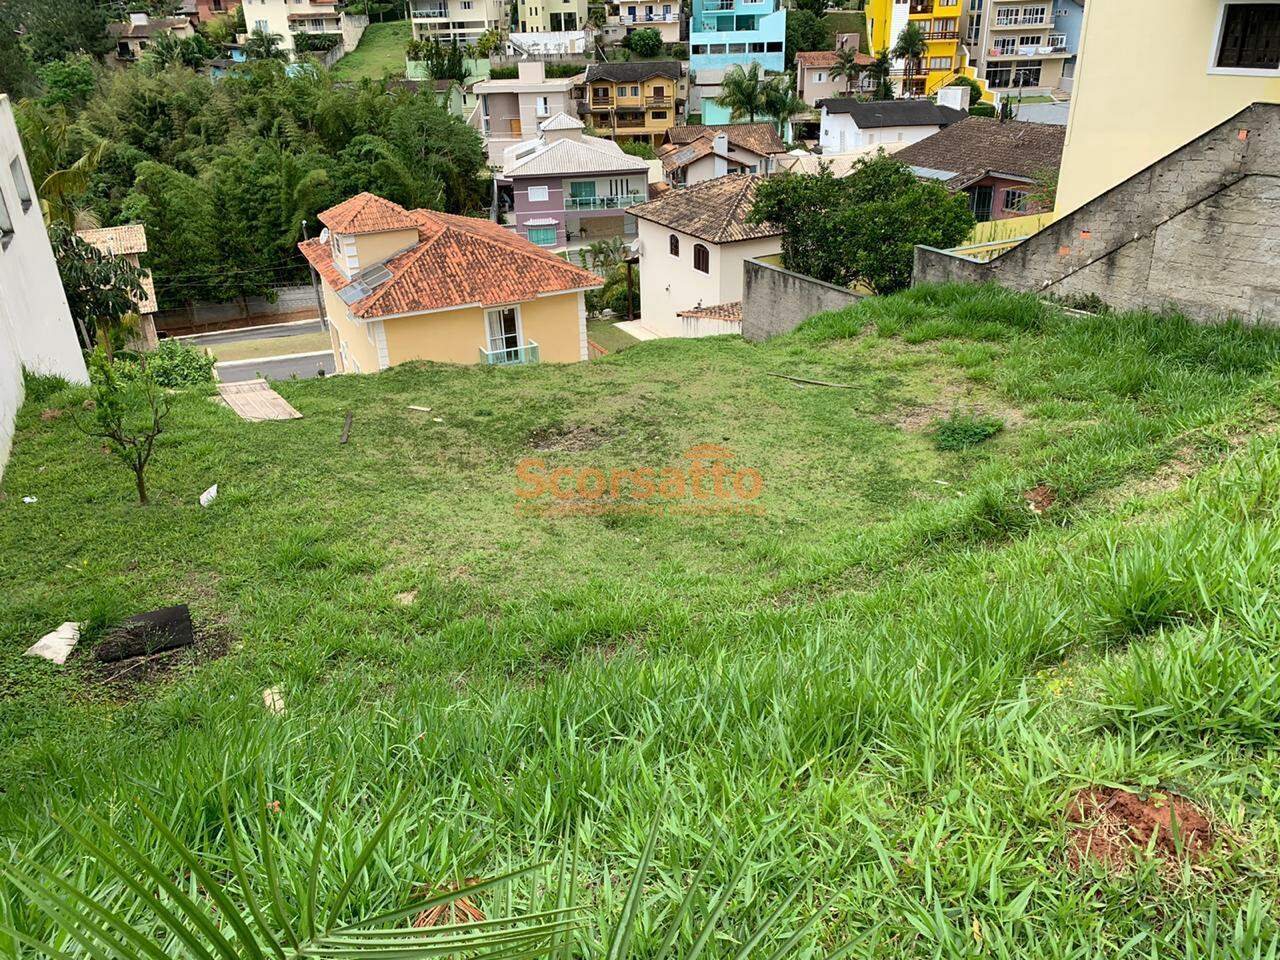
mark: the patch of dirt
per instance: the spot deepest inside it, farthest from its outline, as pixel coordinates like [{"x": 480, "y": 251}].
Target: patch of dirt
[
  {"x": 1040, "y": 499},
  {"x": 1114, "y": 827},
  {"x": 129, "y": 679},
  {"x": 918, "y": 417},
  {"x": 566, "y": 439},
  {"x": 406, "y": 598},
  {"x": 52, "y": 413}
]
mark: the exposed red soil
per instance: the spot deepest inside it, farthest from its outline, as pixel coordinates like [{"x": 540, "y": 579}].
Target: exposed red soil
[
  {"x": 1113, "y": 827},
  {"x": 1040, "y": 499}
]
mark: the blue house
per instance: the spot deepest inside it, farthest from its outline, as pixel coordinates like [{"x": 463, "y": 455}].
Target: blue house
[{"x": 723, "y": 33}]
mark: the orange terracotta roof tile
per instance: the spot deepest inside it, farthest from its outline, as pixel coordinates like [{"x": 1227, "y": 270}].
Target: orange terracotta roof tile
[
  {"x": 827, "y": 58},
  {"x": 367, "y": 213},
  {"x": 721, "y": 311},
  {"x": 458, "y": 261}
]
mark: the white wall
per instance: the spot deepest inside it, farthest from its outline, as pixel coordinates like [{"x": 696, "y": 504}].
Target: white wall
[
  {"x": 36, "y": 330},
  {"x": 840, "y": 134},
  {"x": 669, "y": 284}
]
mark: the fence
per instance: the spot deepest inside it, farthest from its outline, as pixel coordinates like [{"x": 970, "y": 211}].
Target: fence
[
  {"x": 1014, "y": 228},
  {"x": 775, "y": 300},
  {"x": 287, "y": 303}
]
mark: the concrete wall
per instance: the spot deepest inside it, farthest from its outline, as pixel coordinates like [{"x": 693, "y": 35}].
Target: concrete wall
[
  {"x": 1198, "y": 231},
  {"x": 292, "y": 303},
  {"x": 36, "y": 329},
  {"x": 775, "y": 301},
  {"x": 1111, "y": 137}
]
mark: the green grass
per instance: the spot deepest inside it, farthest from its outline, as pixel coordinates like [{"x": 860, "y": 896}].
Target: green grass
[
  {"x": 887, "y": 687},
  {"x": 379, "y": 53},
  {"x": 271, "y": 346},
  {"x": 607, "y": 335},
  {"x": 849, "y": 21}
]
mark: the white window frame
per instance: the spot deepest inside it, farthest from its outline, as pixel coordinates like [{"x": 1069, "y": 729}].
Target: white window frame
[
  {"x": 488, "y": 330},
  {"x": 1216, "y": 48},
  {"x": 542, "y": 196},
  {"x": 542, "y": 106}
]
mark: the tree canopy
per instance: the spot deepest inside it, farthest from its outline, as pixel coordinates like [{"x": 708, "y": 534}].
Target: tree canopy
[
  {"x": 861, "y": 230},
  {"x": 806, "y": 31},
  {"x": 223, "y": 173}
]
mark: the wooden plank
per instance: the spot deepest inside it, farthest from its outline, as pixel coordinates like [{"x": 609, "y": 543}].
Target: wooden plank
[{"x": 254, "y": 400}]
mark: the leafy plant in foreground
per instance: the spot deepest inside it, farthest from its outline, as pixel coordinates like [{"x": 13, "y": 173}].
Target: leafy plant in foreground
[{"x": 127, "y": 415}]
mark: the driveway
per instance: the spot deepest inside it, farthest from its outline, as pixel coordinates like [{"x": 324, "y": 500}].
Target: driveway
[{"x": 302, "y": 366}]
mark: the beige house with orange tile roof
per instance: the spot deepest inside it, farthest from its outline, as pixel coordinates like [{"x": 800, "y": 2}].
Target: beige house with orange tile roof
[
  {"x": 130, "y": 241},
  {"x": 422, "y": 285}
]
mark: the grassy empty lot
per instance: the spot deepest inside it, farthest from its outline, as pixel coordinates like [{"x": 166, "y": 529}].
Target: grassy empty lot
[
  {"x": 887, "y": 688},
  {"x": 271, "y": 346},
  {"x": 379, "y": 53},
  {"x": 606, "y": 334}
]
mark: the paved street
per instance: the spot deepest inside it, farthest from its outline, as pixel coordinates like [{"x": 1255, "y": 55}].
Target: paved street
[
  {"x": 300, "y": 365},
  {"x": 267, "y": 332}
]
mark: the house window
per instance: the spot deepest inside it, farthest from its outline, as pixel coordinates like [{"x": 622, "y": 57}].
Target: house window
[
  {"x": 701, "y": 258},
  {"x": 1249, "y": 37},
  {"x": 542, "y": 236},
  {"x": 773, "y": 46},
  {"x": 673, "y": 245},
  {"x": 6, "y": 224},
  {"x": 542, "y": 106},
  {"x": 20, "y": 181},
  {"x": 1015, "y": 201},
  {"x": 658, "y": 115},
  {"x": 819, "y": 77},
  {"x": 939, "y": 63},
  {"x": 539, "y": 194},
  {"x": 699, "y": 49},
  {"x": 503, "y": 331},
  {"x": 755, "y": 47}
]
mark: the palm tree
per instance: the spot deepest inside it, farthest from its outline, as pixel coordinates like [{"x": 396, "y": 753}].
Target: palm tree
[
  {"x": 265, "y": 46},
  {"x": 742, "y": 92},
  {"x": 881, "y": 72},
  {"x": 911, "y": 49},
  {"x": 848, "y": 66},
  {"x": 782, "y": 103},
  {"x": 60, "y": 182}
]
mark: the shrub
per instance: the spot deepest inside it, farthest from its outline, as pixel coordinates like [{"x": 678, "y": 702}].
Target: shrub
[
  {"x": 172, "y": 364},
  {"x": 961, "y": 431},
  {"x": 639, "y": 149},
  {"x": 645, "y": 42},
  {"x": 317, "y": 42},
  {"x": 982, "y": 110}
]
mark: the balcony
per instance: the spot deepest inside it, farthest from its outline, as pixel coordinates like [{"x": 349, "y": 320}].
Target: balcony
[
  {"x": 430, "y": 11},
  {"x": 921, "y": 7},
  {"x": 526, "y": 353},
  {"x": 1017, "y": 23},
  {"x": 1037, "y": 52},
  {"x": 647, "y": 18},
  {"x": 718, "y": 6},
  {"x": 941, "y": 34},
  {"x": 601, "y": 103},
  {"x": 603, "y": 203},
  {"x": 659, "y": 103}
]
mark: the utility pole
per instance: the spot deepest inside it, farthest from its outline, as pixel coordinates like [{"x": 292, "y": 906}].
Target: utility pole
[{"x": 315, "y": 285}]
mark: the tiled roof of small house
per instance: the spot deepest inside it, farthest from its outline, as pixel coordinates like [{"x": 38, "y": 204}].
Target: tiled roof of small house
[
  {"x": 869, "y": 114},
  {"x": 458, "y": 261},
  {"x": 634, "y": 71},
  {"x": 759, "y": 138},
  {"x": 721, "y": 311},
  {"x": 567, "y": 156},
  {"x": 562, "y": 121},
  {"x": 367, "y": 213},
  {"x": 714, "y": 210},
  {"x": 977, "y": 146},
  {"x": 117, "y": 241},
  {"x": 827, "y": 58}
]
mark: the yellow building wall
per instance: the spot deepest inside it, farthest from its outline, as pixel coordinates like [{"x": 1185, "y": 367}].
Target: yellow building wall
[
  {"x": 880, "y": 23},
  {"x": 534, "y": 16},
  {"x": 355, "y": 335},
  {"x": 1143, "y": 89},
  {"x": 373, "y": 248},
  {"x": 456, "y": 336}
]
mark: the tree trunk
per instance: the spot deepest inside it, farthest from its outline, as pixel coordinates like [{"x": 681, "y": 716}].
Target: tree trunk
[{"x": 140, "y": 480}]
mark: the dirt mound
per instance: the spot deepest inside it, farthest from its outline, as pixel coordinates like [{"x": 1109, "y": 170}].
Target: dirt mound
[
  {"x": 125, "y": 680},
  {"x": 567, "y": 439},
  {"x": 1113, "y": 827},
  {"x": 1040, "y": 499}
]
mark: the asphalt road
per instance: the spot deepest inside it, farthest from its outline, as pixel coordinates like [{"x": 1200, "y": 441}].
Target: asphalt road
[
  {"x": 303, "y": 366},
  {"x": 267, "y": 332}
]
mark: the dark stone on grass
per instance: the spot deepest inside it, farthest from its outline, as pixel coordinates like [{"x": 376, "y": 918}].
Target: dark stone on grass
[{"x": 153, "y": 632}]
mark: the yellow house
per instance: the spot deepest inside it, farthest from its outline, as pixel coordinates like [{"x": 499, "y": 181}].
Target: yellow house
[
  {"x": 1201, "y": 62},
  {"x": 420, "y": 285},
  {"x": 635, "y": 100},
  {"x": 542, "y": 16},
  {"x": 939, "y": 20}
]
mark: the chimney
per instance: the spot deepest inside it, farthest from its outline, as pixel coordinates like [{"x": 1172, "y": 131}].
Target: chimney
[
  {"x": 957, "y": 96},
  {"x": 531, "y": 71},
  {"x": 721, "y": 143},
  {"x": 139, "y": 19}
]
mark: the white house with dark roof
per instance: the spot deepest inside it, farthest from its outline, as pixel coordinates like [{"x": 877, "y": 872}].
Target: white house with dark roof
[
  {"x": 567, "y": 186},
  {"x": 692, "y": 245},
  {"x": 849, "y": 124}
]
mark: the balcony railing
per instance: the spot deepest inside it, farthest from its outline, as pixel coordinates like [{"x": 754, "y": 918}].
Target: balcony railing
[
  {"x": 1041, "y": 50},
  {"x": 603, "y": 203},
  {"x": 526, "y": 353},
  {"x": 430, "y": 11},
  {"x": 941, "y": 34},
  {"x": 1003, "y": 22},
  {"x": 601, "y": 102},
  {"x": 718, "y": 6},
  {"x": 658, "y": 101},
  {"x": 921, "y": 6}
]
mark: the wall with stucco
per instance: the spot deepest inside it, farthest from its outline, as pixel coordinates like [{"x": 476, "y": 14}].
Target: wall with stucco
[{"x": 776, "y": 301}]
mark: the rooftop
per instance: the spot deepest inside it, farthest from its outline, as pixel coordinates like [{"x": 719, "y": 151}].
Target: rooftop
[
  {"x": 142, "y": 28},
  {"x": 569, "y": 155},
  {"x": 457, "y": 262},
  {"x": 978, "y": 146},
  {"x": 714, "y": 210},
  {"x": 117, "y": 241},
  {"x": 721, "y": 311},
  {"x": 634, "y": 71},
  {"x": 367, "y": 213},
  {"x": 894, "y": 113},
  {"x": 827, "y": 58},
  {"x": 760, "y": 138}
]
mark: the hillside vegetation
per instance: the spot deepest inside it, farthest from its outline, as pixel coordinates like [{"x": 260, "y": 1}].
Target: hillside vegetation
[{"x": 890, "y": 686}]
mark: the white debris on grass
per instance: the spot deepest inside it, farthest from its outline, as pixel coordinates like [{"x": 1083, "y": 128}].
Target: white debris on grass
[
  {"x": 406, "y": 598},
  {"x": 30, "y": 499},
  {"x": 209, "y": 496},
  {"x": 56, "y": 646},
  {"x": 420, "y": 409},
  {"x": 273, "y": 700}
]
